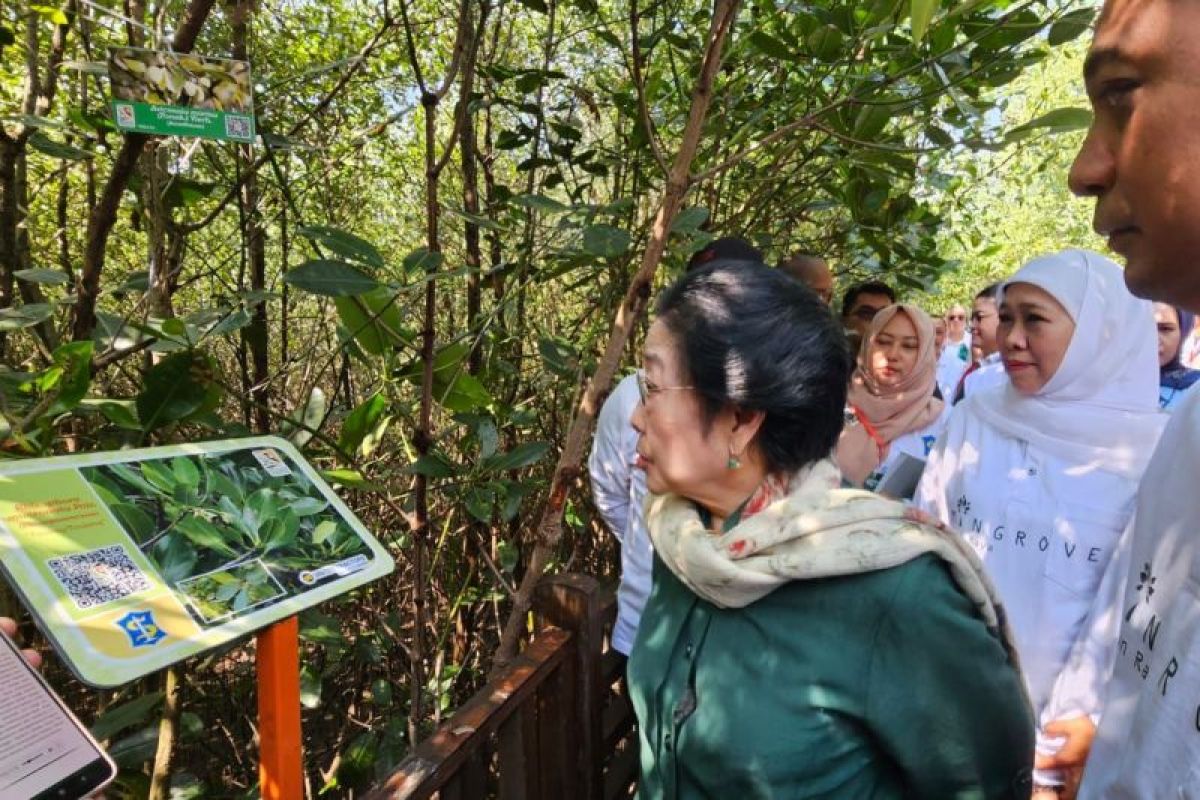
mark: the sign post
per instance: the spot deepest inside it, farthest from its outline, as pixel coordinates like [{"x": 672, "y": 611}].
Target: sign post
[
  {"x": 280, "y": 766},
  {"x": 135, "y": 560}
]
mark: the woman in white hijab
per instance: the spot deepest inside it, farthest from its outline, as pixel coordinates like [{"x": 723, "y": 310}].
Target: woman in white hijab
[{"x": 1040, "y": 474}]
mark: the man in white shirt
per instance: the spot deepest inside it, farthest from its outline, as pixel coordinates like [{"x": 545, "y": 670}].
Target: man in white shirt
[
  {"x": 956, "y": 353},
  {"x": 1141, "y": 161},
  {"x": 989, "y": 369},
  {"x": 619, "y": 490}
]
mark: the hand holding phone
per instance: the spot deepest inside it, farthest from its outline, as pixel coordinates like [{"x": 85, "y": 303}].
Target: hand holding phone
[
  {"x": 45, "y": 752},
  {"x": 8, "y": 627}
]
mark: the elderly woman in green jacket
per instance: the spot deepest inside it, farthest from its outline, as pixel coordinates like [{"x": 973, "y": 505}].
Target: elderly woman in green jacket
[{"x": 801, "y": 639}]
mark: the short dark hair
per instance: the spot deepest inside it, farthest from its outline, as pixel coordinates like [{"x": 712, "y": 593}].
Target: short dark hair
[
  {"x": 867, "y": 287},
  {"x": 990, "y": 292},
  {"x": 726, "y": 248},
  {"x": 750, "y": 336}
]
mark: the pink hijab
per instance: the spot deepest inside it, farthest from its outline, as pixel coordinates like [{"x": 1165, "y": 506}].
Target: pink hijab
[{"x": 886, "y": 413}]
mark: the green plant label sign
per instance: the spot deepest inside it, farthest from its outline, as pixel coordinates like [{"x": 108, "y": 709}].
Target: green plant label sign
[
  {"x": 134, "y": 560},
  {"x": 181, "y": 95}
]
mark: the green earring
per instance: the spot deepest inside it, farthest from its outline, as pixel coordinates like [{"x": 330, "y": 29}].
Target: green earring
[{"x": 733, "y": 463}]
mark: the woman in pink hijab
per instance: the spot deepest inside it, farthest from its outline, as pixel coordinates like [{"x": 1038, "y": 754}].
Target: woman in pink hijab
[{"x": 893, "y": 418}]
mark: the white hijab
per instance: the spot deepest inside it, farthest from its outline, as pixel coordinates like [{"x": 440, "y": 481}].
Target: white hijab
[{"x": 1100, "y": 409}]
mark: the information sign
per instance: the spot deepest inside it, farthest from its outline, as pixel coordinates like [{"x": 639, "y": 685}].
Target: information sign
[
  {"x": 134, "y": 560},
  {"x": 181, "y": 95}
]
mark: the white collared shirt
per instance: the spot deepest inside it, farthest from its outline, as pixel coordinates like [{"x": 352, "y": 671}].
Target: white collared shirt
[
  {"x": 619, "y": 490},
  {"x": 1045, "y": 531},
  {"x": 990, "y": 373}
]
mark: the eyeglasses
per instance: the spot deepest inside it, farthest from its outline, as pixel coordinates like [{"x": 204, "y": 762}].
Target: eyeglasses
[
  {"x": 865, "y": 313},
  {"x": 646, "y": 389},
  {"x": 958, "y": 317}
]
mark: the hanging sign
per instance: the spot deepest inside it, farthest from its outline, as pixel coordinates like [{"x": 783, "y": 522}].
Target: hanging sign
[
  {"x": 171, "y": 94},
  {"x": 134, "y": 560}
]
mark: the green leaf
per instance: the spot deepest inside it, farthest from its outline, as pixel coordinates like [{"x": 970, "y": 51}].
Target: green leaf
[
  {"x": 690, "y": 219},
  {"x": 323, "y": 530},
  {"x": 922, "y": 15},
  {"x": 374, "y": 320},
  {"x": 330, "y": 279},
  {"x": 51, "y": 14},
  {"x": 1060, "y": 120},
  {"x": 349, "y": 478},
  {"x": 345, "y": 244},
  {"x": 1071, "y": 26},
  {"x": 520, "y": 456},
  {"x": 185, "y": 472},
  {"x": 126, "y": 715},
  {"x": 74, "y": 363},
  {"x": 559, "y": 356},
  {"x": 361, "y": 421},
  {"x": 174, "y": 388},
  {"x": 826, "y": 43},
  {"x": 507, "y": 555},
  {"x": 422, "y": 260},
  {"x": 307, "y": 506},
  {"x": 770, "y": 46},
  {"x": 45, "y": 276},
  {"x": 432, "y": 465},
  {"x": 605, "y": 241},
  {"x": 26, "y": 316},
  {"x": 539, "y": 202},
  {"x": 310, "y": 687},
  {"x": 320, "y": 628},
  {"x": 44, "y": 144},
  {"x": 204, "y": 534}
]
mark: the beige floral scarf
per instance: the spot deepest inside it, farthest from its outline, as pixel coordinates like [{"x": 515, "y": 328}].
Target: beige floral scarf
[{"x": 812, "y": 529}]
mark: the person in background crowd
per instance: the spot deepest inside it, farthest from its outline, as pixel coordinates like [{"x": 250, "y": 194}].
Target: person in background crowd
[
  {"x": 987, "y": 369},
  {"x": 860, "y": 304},
  {"x": 956, "y": 354},
  {"x": 791, "y": 621},
  {"x": 1174, "y": 378},
  {"x": 892, "y": 413},
  {"x": 1040, "y": 474},
  {"x": 939, "y": 336},
  {"x": 730, "y": 248},
  {"x": 956, "y": 331},
  {"x": 812, "y": 271},
  {"x": 619, "y": 489},
  {"x": 1141, "y": 161}
]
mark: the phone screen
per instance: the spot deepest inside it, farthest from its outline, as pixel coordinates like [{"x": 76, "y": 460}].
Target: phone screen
[{"x": 44, "y": 751}]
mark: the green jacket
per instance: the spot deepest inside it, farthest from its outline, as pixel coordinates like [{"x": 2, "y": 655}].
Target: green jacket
[{"x": 879, "y": 685}]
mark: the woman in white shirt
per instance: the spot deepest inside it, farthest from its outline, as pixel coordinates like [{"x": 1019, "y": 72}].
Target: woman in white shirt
[
  {"x": 892, "y": 415},
  {"x": 1040, "y": 474}
]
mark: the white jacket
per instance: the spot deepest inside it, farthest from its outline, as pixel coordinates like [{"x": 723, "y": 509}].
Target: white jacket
[
  {"x": 619, "y": 490},
  {"x": 1148, "y": 743},
  {"x": 1045, "y": 531}
]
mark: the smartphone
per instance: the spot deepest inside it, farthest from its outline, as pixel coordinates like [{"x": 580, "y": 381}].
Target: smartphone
[{"x": 45, "y": 752}]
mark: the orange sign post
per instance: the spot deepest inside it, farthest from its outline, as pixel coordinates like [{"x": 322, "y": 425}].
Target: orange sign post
[{"x": 281, "y": 769}]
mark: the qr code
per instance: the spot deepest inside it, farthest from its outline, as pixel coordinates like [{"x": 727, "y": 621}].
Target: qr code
[
  {"x": 99, "y": 576},
  {"x": 237, "y": 127}
]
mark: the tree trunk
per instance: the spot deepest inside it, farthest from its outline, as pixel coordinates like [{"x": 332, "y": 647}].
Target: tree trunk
[
  {"x": 549, "y": 530},
  {"x": 256, "y": 332}
]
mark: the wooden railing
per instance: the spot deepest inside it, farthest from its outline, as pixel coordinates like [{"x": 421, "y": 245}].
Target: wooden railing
[{"x": 557, "y": 723}]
